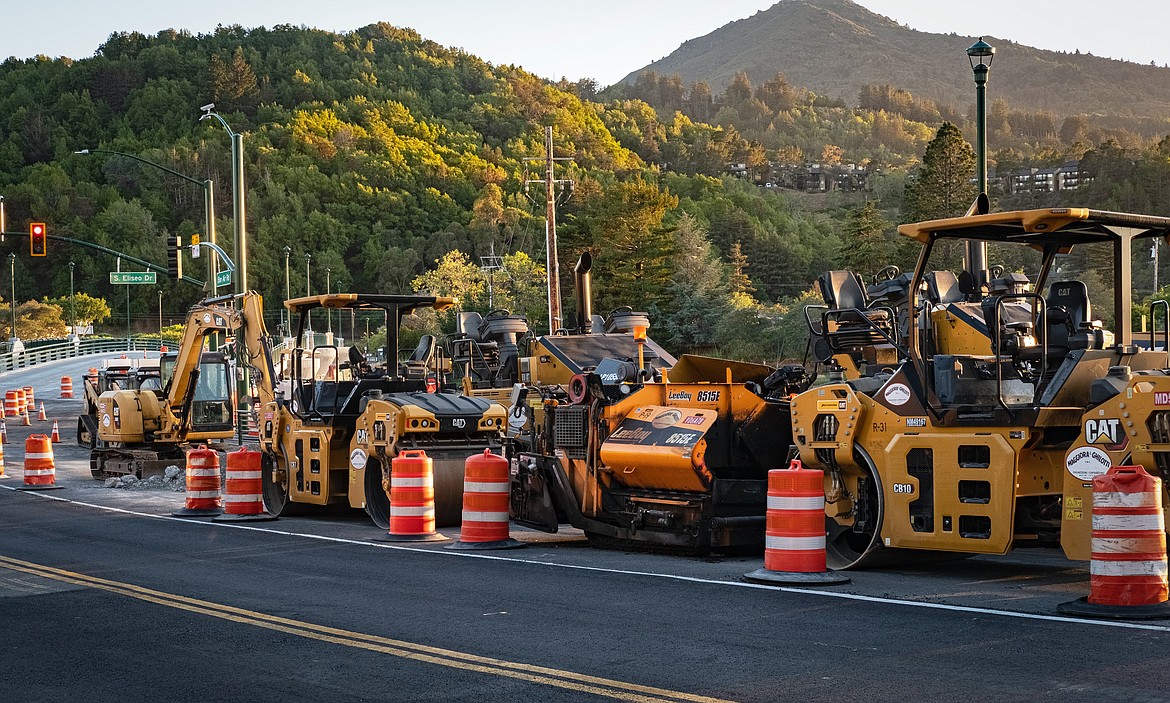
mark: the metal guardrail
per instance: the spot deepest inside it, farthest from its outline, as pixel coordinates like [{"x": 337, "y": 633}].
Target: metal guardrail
[{"x": 44, "y": 353}]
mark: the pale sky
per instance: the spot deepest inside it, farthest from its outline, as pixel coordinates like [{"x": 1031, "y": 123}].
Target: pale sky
[{"x": 600, "y": 39}]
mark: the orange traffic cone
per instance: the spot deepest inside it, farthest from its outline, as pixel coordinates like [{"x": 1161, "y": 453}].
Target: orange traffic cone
[
  {"x": 3, "y": 433},
  {"x": 41, "y": 413},
  {"x": 56, "y": 437},
  {"x": 27, "y": 422}
]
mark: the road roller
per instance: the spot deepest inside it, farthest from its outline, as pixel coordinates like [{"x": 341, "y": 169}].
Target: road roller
[{"x": 341, "y": 416}]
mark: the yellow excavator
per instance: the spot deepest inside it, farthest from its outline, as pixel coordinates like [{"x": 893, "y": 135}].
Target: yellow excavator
[
  {"x": 143, "y": 430},
  {"x": 982, "y": 428},
  {"x": 331, "y": 441}
]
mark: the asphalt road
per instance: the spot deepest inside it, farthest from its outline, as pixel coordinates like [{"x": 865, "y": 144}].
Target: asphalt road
[{"x": 104, "y": 596}]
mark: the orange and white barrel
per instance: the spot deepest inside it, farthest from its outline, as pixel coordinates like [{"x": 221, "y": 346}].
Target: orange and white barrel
[
  {"x": 66, "y": 386},
  {"x": 39, "y": 467},
  {"x": 1129, "y": 539},
  {"x": 203, "y": 484},
  {"x": 11, "y": 404},
  {"x": 21, "y": 402},
  {"x": 30, "y": 397},
  {"x": 2, "y": 474},
  {"x": 794, "y": 534},
  {"x": 243, "y": 493},
  {"x": 485, "y": 504},
  {"x": 1127, "y": 574},
  {"x": 412, "y": 498}
]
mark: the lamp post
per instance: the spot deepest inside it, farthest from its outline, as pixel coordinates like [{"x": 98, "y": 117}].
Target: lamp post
[
  {"x": 12, "y": 267},
  {"x": 238, "y": 209},
  {"x": 328, "y": 312},
  {"x": 208, "y": 187},
  {"x": 160, "y": 311},
  {"x": 287, "y": 293},
  {"x": 308, "y": 315},
  {"x": 1, "y": 218},
  {"x": 979, "y": 55},
  {"x": 72, "y": 308}
]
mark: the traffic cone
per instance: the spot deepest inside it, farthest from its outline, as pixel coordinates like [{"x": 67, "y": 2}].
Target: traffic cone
[
  {"x": 27, "y": 422},
  {"x": 2, "y": 474},
  {"x": 3, "y": 433},
  {"x": 56, "y": 436},
  {"x": 41, "y": 413}
]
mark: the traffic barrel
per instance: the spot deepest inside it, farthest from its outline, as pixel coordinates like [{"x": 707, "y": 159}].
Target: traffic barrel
[
  {"x": 66, "y": 386},
  {"x": 794, "y": 535},
  {"x": 40, "y": 471},
  {"x": 203, "y": 484},
  {"x": 21, "y": 401},
  {"x": 1127, "y": 574},
  {"x": 243, "y": 494},
  {"x": 485, "y": 504},
  {"x": 412, "y": 498},
  {"x": 41, "y": 413},
  {"x": 11, "y": 404},
  {"x": 56, "y": 436},
  {"x": 30, "y": 397},
  {"x": 2, "y": 474}
]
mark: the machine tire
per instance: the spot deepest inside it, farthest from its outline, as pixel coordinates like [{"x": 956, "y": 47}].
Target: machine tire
[
  {"x": 275, "y": 494},
  {"x": 377, "y": 501},
  {"x": 845, "y": 548}
]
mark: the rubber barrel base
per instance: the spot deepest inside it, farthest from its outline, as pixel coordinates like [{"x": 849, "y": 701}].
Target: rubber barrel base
[
  {"x": 498, "y": 544},
  {"x": 428, "y": 537},
  {"x": 1081, "y": 607},
  {"x": 796, "y": 578}
]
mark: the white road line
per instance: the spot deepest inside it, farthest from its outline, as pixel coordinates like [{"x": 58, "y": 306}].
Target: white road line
[{"x": 625, "y": 572}]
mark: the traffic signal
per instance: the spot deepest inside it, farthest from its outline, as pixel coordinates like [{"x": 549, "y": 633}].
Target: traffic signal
[
  {"x": 175, "y": 257},
  {"x": 36, "y": 239}
]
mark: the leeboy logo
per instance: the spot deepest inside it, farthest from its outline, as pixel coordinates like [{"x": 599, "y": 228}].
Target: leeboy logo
[{"x": 1104, "y": 431}]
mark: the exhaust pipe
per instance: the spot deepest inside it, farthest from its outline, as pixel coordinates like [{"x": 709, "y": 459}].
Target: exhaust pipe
[{"x": 583, "y": 293}]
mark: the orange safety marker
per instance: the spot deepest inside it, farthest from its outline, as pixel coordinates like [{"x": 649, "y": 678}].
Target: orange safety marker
[
  {"x": 26, "y": 422},
  {"x": 21, "y": 401},
  {"x": 66, "y": 386},
  {"x": 243, "y": 498},
  {"x": 40, "y": 471},
  {"x": 41, "y": 413},
  {"x": 412, "y": 498},
  {"x": 794, "y": 537},
  {"x": 486, "y": 486},
  {"x": 29, "y": 397},
  {"x": 3, "y": 432},
  {"x": 11, "y": 404},
  {"x": 2, "y": 474},
  {"x": 1128, "y": 574},
  {"x": 203, "y": 485},
  {"x": 56, "y": 436}
]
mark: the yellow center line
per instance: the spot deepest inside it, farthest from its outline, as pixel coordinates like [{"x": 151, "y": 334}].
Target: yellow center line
[{"x": 610, "y": 688}]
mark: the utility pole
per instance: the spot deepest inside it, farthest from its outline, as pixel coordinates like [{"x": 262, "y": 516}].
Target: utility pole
[
  {"x": 489, "y": 265},
  {"x": 550, "y": 202}
]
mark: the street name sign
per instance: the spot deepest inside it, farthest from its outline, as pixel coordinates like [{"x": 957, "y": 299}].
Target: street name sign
[
  {"x": 133, "y": 277},
  {"x": 223, "y": 278}
]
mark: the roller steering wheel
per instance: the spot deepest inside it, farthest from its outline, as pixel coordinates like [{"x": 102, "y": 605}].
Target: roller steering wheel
[
  {"x": 995, "y": 271},
  {"x": 889, "y": 273}
]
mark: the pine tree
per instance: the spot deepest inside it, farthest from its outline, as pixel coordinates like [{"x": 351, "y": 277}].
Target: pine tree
[
  {"x": 867, "y": 246},
  {"x": 739, "y": 282},
  {"x": 943, "y": 187}
]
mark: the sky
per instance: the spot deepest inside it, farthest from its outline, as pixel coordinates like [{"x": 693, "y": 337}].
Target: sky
[{"x": 599, "y": 39}]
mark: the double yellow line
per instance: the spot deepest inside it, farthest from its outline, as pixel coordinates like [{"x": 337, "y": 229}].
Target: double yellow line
[{"x": 531, "y": 673}]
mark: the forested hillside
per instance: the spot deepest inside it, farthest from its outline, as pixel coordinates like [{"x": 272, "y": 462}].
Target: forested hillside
[{"x": 397, "y": 164}]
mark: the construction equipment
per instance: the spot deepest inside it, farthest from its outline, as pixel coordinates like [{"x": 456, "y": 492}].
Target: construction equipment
[
  {"x": 124, "y": 373},
  {"x": 619, "y": 439},
  {"x": 982, "y": 428},
  {"x": 144, "y": 430},
  {"x": 330, "y": 441}
]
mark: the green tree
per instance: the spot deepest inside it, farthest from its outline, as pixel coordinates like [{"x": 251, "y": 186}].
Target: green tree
[
  {"x": 87, "y": 309},
  {"x": 943, "y": 187},
  {"x": 739, "y": 283},
  {"x": 698, "y": 292},
  {"x": 867, "y": 245}
]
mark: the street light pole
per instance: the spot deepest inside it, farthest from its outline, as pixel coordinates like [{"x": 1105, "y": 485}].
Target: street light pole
[
  {"x": 1, "y": 218},
  {"x": 208, "y": 187},
  {"x": 160, "y": 311},
  {"x": 72, "y": 308},
  {"x": 308, "y": 314},
  {"x": 238, "y": 207},
  {"x": 287, "y": 294},
  {"x": 12, "y": 266},
  {"x": 976, "y": 252},
  {"x": 328, "y": 312}
]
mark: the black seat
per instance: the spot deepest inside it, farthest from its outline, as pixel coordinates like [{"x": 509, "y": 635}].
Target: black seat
[
  {"x": 842, "y": 290},
  {"x": 416, "y": 364},
  {"x": 848, "y": 323},
  {"x": 942, "y": 287},
  {"x": 1068, "y": 317}
]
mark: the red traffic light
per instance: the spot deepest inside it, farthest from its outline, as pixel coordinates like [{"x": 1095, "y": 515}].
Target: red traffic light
[{"x": 36, "y": 239}]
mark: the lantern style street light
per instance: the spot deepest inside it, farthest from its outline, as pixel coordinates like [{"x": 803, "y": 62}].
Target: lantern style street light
[{"x": 980, "y": 55}]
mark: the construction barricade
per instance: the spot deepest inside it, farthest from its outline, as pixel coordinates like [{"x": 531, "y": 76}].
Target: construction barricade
[
  {"x": 243, "y": 499},
  {"x": 485, "y": 504},
  {"x": 55, "y": 438},
  {"x": 40, "y": 470},
  {"x": 66, "y": 386},
  {"x": 794, "y": 536},
  {"x": 1128, "y": 574},
  {"x": 412, "y": 498},
  {"x": 2, "y": 474},
  {"x": 11, "y": 404},
  {"x": 203, "y": 485}
]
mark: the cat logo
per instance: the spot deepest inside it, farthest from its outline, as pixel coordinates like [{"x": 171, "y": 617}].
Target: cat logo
[
  {"x": 362, "y": 436},
  {"x": 459, "y": 423},
  {"x": 1105, "y": 431}
]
